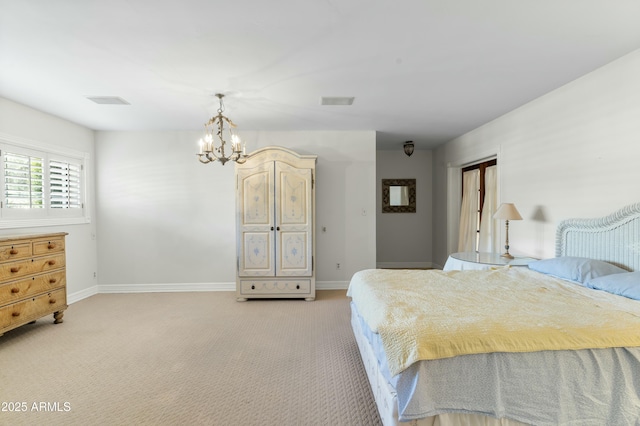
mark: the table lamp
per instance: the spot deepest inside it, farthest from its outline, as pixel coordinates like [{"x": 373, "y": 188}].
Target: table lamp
[{"x": 507, "y": 211}]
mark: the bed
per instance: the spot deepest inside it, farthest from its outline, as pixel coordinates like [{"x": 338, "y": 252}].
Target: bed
[{"x": 554, "y": 344}]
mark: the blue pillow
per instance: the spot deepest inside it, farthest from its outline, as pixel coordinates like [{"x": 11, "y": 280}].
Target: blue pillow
[
  {"x": 577, "y": 269},
  {"x": 627, "y": 285}
]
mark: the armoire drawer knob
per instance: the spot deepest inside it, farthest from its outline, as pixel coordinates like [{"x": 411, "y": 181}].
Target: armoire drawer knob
[
  {"x": 15, "y": 290},
  {"x": 297, "y": 286},
  {"x": 253, "y": 287}
]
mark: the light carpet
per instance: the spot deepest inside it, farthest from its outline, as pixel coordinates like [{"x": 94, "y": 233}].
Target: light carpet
[{"x": 187, "y": 359}]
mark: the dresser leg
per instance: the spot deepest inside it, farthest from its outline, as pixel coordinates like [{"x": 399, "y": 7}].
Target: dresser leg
[{"x": 57, "y": 316}]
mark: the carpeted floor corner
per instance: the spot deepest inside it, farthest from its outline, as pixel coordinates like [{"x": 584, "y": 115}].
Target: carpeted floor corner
[{"x": 187, "y": 359}]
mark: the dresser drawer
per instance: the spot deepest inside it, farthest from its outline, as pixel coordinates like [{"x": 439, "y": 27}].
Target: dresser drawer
[
  {"x": 53, "y": 245},
  {"x": 14, "y": 251},
  {"x": 33, "y": 308},
  {"x": 20, "y": 289},
  {"x": 26, "y": 267}
]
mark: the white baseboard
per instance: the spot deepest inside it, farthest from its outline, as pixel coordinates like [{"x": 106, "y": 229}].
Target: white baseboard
[
  {"x": 405, "y": 265},
  {"x": 178, "y": 287},
  {"x": 82, "y": 294},
  {"x": 332, "y": 285},
  {"x": 165, "y": 288}
]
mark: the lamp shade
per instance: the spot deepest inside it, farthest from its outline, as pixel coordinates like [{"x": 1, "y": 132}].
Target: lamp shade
[{"x": 507, "y": 211}]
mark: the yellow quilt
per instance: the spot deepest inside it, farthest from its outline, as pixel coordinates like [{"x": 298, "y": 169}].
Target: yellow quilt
[{"x": 424, "y": 315}]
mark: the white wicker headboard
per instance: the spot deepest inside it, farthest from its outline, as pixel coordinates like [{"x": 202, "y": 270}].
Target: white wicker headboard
[{"x": 614, "y": 238}]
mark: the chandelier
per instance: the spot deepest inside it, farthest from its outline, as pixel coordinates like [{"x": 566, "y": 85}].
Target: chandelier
[{"x": 210, "y": 150}]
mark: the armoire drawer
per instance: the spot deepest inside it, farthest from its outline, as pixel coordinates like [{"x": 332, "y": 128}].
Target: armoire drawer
[{"x": 275, "y": 286}]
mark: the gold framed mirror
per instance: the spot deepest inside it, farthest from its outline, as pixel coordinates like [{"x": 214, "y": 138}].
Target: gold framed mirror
[{"x": 398, "y": 195}]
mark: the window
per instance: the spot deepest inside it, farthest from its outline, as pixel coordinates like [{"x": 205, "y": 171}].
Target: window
[
  {"x": 482, "y": 167},
  {"x": 41, "y": 186},
  {"x": 473, "y": 196}
]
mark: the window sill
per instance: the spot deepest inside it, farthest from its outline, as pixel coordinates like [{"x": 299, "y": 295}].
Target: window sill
[{"x": 50, "y": 221}]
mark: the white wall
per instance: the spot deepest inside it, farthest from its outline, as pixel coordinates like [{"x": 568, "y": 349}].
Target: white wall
[
  {"x": 23, "y": 123},
  {"x": 404, "y": 240},
  {"x": 571, "y": 153},
  {"x": 167, "y": 222}
]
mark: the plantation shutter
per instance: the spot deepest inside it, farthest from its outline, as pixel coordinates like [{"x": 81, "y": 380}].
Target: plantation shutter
[
  {"x": 23, "y": 181},
  {"x": 64, "y": 185}
]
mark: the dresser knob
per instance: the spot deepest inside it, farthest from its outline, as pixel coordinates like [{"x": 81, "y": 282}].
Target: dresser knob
[
  {"x": 15, "y": 314},
  {"x": 51, "y": 262},
  {"x": 51, "y": 246},
  {"x": 13, "y": 251},
  {"x": 52, "y": 281},
  {"x": 15, "y": 290},
  {"x": 15, "y": 269},
  {"x": 52, "y": 301}
]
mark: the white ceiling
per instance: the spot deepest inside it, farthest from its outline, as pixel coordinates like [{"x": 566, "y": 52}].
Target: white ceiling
[{"x": 422, "y": 70}]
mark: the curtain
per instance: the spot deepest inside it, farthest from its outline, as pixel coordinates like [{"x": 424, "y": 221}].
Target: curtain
[
  {"x": 469, "y": 210},
  {"x": 488, "y": 225}
]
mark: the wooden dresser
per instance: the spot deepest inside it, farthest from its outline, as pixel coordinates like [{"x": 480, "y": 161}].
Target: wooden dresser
[{"x": 32, "y": 279}]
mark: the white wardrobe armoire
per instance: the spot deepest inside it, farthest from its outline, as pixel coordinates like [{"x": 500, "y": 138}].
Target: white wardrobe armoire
[{"x": 275, "y": 215}]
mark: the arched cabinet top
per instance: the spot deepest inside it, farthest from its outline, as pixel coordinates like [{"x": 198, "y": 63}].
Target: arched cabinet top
[{"x": 278, "y": 153}]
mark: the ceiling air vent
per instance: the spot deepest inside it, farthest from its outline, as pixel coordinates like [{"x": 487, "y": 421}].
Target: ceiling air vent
[
  {"x": 336, "y": 100},
  {"x": 108, "y": 100}
]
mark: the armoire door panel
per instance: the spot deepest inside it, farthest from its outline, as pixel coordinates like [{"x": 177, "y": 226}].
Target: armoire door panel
[
  {"x": 293, "y": 195},
  {"x": 257, "y": 193},
  {"x": 258, "y": 254},
  {"x": 294, "y": 256}
]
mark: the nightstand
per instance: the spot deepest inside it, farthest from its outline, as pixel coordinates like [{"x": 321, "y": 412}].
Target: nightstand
[{"x": 472, "y": 260}]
